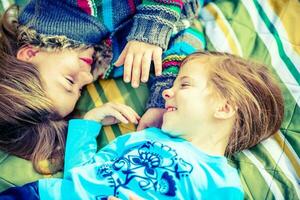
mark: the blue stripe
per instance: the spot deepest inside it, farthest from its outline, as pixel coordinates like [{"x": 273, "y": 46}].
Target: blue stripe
[{"x": 107, "y": 12}]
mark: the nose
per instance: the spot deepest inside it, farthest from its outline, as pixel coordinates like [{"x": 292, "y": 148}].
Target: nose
[
  {"x": 85, "y": 78},
  {"x": 168, "y": 93}
]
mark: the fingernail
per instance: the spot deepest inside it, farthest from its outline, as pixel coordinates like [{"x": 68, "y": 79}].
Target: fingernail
[
  {"x": 134, "y": 84},
  {"x": 144, "y": 79},
  {"x": 126, "y": 80}
]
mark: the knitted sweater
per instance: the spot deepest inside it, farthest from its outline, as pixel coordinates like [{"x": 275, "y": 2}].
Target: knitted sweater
[
  {"x": 166, "y": 23},
  {"x": 90, "y": 21}
]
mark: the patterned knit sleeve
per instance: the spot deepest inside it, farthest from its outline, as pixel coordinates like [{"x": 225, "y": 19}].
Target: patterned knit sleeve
[
  {"x": 185, "y": 42},
  {"x": 154, "y": 20}
]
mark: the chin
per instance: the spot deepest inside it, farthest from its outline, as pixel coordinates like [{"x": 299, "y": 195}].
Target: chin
[{"x": 170, "y": 130}]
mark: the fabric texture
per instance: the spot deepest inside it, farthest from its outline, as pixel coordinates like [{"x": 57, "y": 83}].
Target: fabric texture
[
  {"x": 27, "y": 191},
  {"x": 149, "y": 163},
  {"x": 168, "y": 24},
  {"x": 153, "y": 20},
  {"x": 264, "y": 31}
]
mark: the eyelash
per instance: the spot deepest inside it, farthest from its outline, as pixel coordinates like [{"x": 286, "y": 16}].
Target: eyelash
[
  {"x": 70, "y": 81},
  {"x": 182, "y": 85}
]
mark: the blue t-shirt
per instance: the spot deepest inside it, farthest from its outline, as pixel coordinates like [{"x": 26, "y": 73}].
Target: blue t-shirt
[{"x": 149, "y": 163}]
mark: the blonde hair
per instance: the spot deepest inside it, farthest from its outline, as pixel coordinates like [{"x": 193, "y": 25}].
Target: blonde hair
[
  {"x": 29, "y": 126},
  {"x": 249, "y": 87}
]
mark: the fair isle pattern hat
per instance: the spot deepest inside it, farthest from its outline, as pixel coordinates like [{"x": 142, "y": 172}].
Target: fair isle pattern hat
[{"x": 48, "y": 23}]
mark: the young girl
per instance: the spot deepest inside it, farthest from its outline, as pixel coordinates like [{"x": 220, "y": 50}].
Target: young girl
[
  {"x": 219, "y": 104},
  {"x": 138, "y": 32},
  {"x": 38, "y": 88}
]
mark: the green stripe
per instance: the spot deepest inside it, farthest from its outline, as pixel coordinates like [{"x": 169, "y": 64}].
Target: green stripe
[
  {"x": 102, "y": 139},
  {"x": 272, "y": 167},
  {"x": 85, "y": 103},
  {"x": 274, "y": 32},
  {"x": 137, "y": 102},
  {"x": 1, "y": 7},
  {"x": 255, "y": 49},
  {"x": 100, "y": 92},
  {"x": 116, "y": 130},
  {"x": 170, "y": 6},
  {"x": 253, "y": 182}
]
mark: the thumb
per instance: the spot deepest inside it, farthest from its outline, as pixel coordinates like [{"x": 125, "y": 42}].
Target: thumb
[
  {"x": 141, "y": 126},
  {"x": 121, "y": 58}
]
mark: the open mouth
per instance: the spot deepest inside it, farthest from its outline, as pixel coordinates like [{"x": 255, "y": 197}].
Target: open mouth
[{"x": 170, "y": 109}]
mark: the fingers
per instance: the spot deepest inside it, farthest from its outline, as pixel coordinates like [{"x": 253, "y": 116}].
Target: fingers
[
  {"x": 122, "y": 57},
  {"x": 136, "y": 70},
  {"x": 151, "y": 118},
  {"x": 157, "y": 59},
  {"x": 142, "y": 125},
  {"x": 127, "y": 112},
  {"x": 131, "y": 197},
  {"x": 122, "y": 113},
  {"x": 128, "y": 67},
  {"x": 136, "y": 58},
  {"x": 146, "y": 62}
]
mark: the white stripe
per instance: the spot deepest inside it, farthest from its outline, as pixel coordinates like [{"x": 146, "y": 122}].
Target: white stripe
[
  {"x": 282, "y": 161},
  {"x": 289, "y": 146},
  {"x": 5, "y": 4},
  {"x": 215, "y": 34},
  {"x": 293, "y": 55},
  {"x": 277, "y": 63},
  {"x": 92, "y": 6},
  {"x": 267, "y": 177}
]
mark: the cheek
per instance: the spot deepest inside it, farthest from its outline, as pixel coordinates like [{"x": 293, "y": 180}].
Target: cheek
[
  {"x": 62, "y": 101},
  {"x": 64, "y": 106}
]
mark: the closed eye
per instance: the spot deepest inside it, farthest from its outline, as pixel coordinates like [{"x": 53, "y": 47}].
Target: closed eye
[
  {"x": 184, "y": 85},
  {"x": 70, "y": 79}
]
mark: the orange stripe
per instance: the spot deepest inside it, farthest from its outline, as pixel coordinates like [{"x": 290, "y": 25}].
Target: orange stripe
[
  {"x": 288, "y": 152},
  {"x": 225, "y": 29},
  {"x": 113, "y": 94}
]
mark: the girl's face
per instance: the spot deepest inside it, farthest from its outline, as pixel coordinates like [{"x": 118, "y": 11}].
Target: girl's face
[
  {"x": 64, "y": 73},
  {"x": 190, "y": 104}
]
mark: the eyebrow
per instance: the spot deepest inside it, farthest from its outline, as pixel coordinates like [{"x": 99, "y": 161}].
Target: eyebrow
[{"x": 185, "y": 77}]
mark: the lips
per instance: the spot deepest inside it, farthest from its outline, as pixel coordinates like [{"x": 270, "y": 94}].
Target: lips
[
  {"x": 88, "y": 61},
  {"x": 170, "y": 108}
]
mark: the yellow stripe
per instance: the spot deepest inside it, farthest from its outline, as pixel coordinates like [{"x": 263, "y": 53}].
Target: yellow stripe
[
  {"x": 289, "y": 14},
  {"x": 109, "y": 133},
  {"x": 113, "y": 94},
  {"x": 107, "y": 130},
  {"x": 288, "y": 152},
  {"x": 94, "y": 95},
  {"x": 221, "y": 23}
]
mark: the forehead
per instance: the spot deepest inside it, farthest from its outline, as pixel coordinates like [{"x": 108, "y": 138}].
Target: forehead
[{"x": 197, "y": 65}]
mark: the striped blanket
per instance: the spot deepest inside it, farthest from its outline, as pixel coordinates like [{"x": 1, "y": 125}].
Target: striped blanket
[{"x": 262, "y": 30}]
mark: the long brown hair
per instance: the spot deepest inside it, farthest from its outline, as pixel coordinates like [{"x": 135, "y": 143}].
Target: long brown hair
[
  {"x": 250, "y": 88},
  {"x": 29, "y": 126}
]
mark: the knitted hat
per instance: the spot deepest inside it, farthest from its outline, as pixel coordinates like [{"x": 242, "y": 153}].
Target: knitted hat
[{"x": 55, "y": 22}]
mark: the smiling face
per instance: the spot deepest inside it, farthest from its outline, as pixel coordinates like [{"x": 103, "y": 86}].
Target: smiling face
[
  {"x": 63, "y": 74},
  {"x": 190, "y": 103}
]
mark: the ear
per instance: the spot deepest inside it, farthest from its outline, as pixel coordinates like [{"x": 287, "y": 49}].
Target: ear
[
  {"x": 27, "y": 53},
  {"x": 225, "y": 111}
]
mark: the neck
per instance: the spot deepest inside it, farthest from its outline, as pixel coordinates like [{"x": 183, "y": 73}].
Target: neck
[{"x": 213, "y": 140}]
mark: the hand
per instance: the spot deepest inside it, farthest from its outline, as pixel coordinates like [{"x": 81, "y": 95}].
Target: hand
[
  {"x": 131, "y": 197},
  {"x": 136, "y": 58},
  {"x": 112, "y": 113},
  {"x": 153, "y": 117}
]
